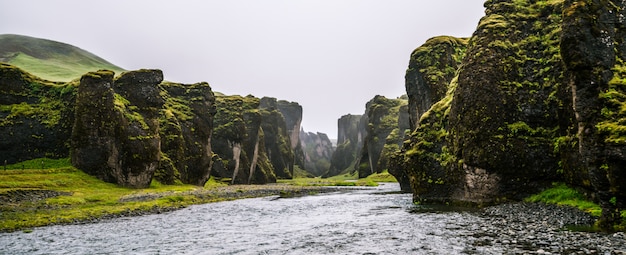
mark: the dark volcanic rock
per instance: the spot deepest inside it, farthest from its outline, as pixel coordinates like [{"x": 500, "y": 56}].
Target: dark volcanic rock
[
  {"x": 292, "y": 112},
  {"x": 186, "y": 122},
  {"x": 113, "y": 138},
  {"x": 538, "y": 98},
  {"x": 431, "y": 68},
  {"x": 277, "y": 138},
  {"x": 318, "y": 152},
  {"x": 239, "y": 142},
  {"x": 36, "y": 116},
  {"x": 349, "y": 143},
  {"x": 380, "y": 119}
]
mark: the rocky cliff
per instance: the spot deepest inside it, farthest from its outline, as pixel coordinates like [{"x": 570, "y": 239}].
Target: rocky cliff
[
  {"x": 186, "y": 125},
  {"x": 381, "y": 119},
  {"x": 349, "y": 143},
  {"x": 292, "y": 112},
  {"x": 251, "y": 142},
  {"x": 536, "y": 99},
  {"x": 36, "y": 116},
  {"x": 115, "y": 136},
  {"x": 318, "y": 151}
]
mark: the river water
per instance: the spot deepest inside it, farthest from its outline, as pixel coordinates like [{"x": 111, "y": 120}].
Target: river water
[{"x": 370, "y": 221}]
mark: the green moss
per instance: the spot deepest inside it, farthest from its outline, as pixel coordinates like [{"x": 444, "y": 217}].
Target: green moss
[{"x": 561, "y": 194}]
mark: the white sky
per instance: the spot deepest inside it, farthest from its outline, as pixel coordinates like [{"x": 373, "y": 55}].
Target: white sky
[{"x": 331, "y": 56}]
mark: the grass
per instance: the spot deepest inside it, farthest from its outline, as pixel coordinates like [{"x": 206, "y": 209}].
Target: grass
[
  {"x": 342, "y": 180},
  {"x": 87, "y": 197},
  {"x": 561, "y": 194},
  {"x": 51, "y": 60}
]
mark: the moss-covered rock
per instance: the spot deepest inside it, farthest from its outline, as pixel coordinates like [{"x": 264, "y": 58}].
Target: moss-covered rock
[
  {"x": 239, "y": 142},
  {"x": 36, "y": 116},
  {"x": 277, "y": 138},
  {"x": 186, "y": 122},
  {"x": 113, "y": 138},
  {"x": 592, "y": 47},
  {"x": 538, "y": 98},
  {"x": 431, "y": 68},
  {"x": 349, "y": 143},
  {"x": 318, "y": 151},
  {"x": 380, "y": 119}
]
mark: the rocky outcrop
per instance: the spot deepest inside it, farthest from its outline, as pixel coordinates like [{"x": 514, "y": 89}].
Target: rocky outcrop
[
  {"x": 318, "y": 152},
  {"x": 36, "y": 116},
  {"x": 431, "y": 68},
  {"x": 349, "y": 143},
  {"x": 115, "y": 136},
  {"x": 277, "y": 138},
  {"x": 381, "y": 119},
  {"x": 292, "y": 112},
  {"x": 537, "y": 99},
  {"x": 593, "y": 51},
  {"x": 239, "y": 142},
  {"x": 186, "y": 122}
]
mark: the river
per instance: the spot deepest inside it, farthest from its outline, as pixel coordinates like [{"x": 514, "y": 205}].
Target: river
[{"x": 355, "y": 221}]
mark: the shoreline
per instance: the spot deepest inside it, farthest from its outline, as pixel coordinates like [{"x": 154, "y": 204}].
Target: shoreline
[{"x": 199, "y": 196}]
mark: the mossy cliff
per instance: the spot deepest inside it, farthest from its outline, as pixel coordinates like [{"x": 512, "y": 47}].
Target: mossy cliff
[
  {"x": 36, "y": 116},
  {"x": 292, "y": 112},
  {"x": 366, "y": 143},
  {"x": 349, "y": 142},
  {"x": 318, "y": 151},
  {"x": 431, "y": 68},
  {"x": 383, "y": 135},
  {"x": 186, "y": 125},
  {"x": 115, "y": 136},
  {"x": 536, "y": 98},
  {"x": 252, "y": 141}
]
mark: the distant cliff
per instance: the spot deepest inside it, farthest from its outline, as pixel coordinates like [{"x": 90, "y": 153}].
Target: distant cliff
[
  {"x": 366, "y": 143},
  {"x": 318, "y": 152},
  {"x": 535, "y": 99},
  {"x": 381, "y": 119},
  {"x": 349, "y": 144}
]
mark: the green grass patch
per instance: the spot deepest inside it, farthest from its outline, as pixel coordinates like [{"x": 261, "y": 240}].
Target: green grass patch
[
  {"x": 561, "y": 194},
  {"x": 41, "y": 163},
  {"x": 84, "y": 197}
]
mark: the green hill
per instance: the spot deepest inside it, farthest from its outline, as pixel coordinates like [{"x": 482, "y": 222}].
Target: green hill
[{"x": 48, "y": 59}]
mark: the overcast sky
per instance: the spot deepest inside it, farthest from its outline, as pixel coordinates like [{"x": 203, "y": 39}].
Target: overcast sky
[{"x": 331, "y": 56}]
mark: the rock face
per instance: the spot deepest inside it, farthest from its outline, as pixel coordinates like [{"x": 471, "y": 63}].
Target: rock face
[
  {"x": 431, "y": 68},
  {"x": 349, "y": 143},
  {"x": 593, "y": 51},
  {"x": 536, "y": 99},
  {"x": 36, "y": 116},
  {"x": 240, "y": 138},
  {"x": 381, "y": 119},
  {"x": 292, "y": 112},
  {"x": 186, "y": 122},
  {"x": 277, "y": 138},
  {"x": 318, "y": 151},
  {"x": 115, "y": 136}
]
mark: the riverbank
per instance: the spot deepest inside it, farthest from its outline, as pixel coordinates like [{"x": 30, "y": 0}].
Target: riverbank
[
  {"x": 538, "y": 228},
  {"x": 65, "y": 195}
]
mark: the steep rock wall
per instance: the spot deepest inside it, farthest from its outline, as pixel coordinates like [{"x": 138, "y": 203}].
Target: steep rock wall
[
  {"x": 349, "y": 143},
  {"x": 36, "y": 116},
  {"x": 537, "y": 99},
  {"x": 318, "y": 151},
  {"x": 292, "y": 112},
  {"x": 186, "y": 121},
  {"x": 431, "y": 68},
  {"x": 113, "y": 138},
  {"x": 277, "y": 138},
  {"x": 381, "y": 119},
  {"x": 239, "y": 142}
]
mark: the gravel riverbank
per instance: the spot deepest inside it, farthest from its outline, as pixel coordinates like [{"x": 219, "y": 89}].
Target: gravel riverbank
[{"x": 534, "y": 228}]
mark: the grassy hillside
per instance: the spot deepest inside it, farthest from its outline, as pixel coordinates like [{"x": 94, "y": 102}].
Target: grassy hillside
[{"x": 50, "y": 60}]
